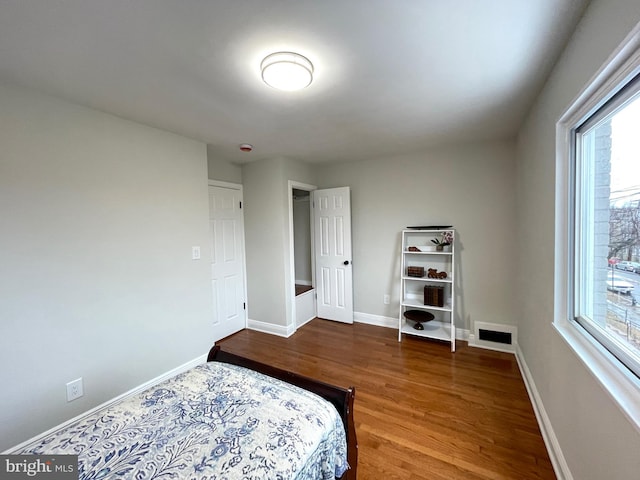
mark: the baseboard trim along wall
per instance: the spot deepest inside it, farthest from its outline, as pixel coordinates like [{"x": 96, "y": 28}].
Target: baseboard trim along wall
[
  {"x": 159, "y": 379},
  {"x": 391, "y": 322},
  {"x": 556, "y": 456},
  {"x": 264, "y": 327},
  {"x": 377, "y": 320}
]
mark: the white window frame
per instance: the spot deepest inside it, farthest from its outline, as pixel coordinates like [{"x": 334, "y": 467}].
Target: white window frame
[{"x": 620, "y": 383}]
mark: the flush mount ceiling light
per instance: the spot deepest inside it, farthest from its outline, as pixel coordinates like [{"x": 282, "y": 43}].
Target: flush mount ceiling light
[{"x": 287, "y": 71}]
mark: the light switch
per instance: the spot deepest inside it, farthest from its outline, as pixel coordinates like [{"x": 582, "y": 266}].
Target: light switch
[{"x": 195, "y": 253}]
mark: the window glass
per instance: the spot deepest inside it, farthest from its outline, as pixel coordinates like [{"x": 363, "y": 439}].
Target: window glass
[{"x": 606, "y": 219}]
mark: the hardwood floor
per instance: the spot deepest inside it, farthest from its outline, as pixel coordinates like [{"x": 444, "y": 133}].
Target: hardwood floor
[
  {"x": 300, "y": 289},
  {"x": 421, "y": 412}
]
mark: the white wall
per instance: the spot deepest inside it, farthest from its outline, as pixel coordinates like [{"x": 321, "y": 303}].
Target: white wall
[
  {"x": 267, "y": 244},
  {"x": 596, "y": 439},
  {"x": 302, "y": 239},
  {"x": 221, "y": 169},
  {"x": 471, "y": 187},
  {"x": 98, "y": 216}
]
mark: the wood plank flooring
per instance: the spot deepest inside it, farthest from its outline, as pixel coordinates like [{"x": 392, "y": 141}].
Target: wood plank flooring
[
  {"x": 421, "y": 412},
  {"x": 300, "y": 289}
]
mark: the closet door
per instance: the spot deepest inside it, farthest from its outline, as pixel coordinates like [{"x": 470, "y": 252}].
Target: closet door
[
  {"x": 227, "y": 259},
  {"x": 332, "y": 232}
]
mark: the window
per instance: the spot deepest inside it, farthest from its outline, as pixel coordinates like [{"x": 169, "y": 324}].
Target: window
[
  {"x": 596, "y": 190},
  {"x": 606, "y": 223}
]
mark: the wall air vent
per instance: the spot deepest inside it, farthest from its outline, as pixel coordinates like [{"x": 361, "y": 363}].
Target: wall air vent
[{"x": 494, "y": 336}]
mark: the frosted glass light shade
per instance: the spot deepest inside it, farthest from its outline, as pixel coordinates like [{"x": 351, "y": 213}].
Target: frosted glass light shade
[{"x": 287, "y": 71}]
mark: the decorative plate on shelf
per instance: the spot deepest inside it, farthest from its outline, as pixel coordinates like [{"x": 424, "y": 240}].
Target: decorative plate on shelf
[{"x": 419, "y": 317}]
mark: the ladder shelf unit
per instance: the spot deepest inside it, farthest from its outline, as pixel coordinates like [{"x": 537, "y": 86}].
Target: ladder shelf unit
[{"x": 427, "y": 285}]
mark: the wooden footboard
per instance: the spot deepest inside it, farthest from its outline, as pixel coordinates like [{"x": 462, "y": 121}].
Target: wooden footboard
[{"x": 341, "y": 398}]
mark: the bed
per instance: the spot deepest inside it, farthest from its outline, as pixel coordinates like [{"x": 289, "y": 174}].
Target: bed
[{"x": 230, "y": 418}]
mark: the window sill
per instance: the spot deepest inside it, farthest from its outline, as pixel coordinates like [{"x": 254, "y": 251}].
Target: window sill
[{"x": 621, "y": 384}]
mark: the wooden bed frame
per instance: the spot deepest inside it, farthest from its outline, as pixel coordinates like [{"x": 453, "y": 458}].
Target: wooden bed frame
[{"x": 341, "y": 398}]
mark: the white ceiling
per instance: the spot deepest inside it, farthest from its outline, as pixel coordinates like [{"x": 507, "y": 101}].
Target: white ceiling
[{"x": 391, "y": 76}]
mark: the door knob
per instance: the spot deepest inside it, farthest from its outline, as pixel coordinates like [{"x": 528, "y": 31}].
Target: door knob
[{"x": 346, "y": 262}]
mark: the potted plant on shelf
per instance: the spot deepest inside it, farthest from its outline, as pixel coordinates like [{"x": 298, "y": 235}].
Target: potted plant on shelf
[{"x": 445, "y": 240}]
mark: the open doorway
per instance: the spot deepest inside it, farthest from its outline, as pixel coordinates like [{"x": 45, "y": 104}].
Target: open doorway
[
  {"x": 304, "y": 304},
  {"x": 302, "y": 240}
]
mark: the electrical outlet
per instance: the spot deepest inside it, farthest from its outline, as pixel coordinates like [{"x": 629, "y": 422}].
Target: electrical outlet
[
  {"x": 386, "y": 299},
  {"x": 74, "y": 389}
]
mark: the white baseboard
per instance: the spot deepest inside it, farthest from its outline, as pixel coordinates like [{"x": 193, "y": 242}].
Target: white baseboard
[
  {"x": 369, "y": 319},
  {"x": 161, "y": 378},
  {"x": 377, "y": 320},
  {"x": 556, "y": 456},
  {"x": 264, "y": 327},
  {"x": 462, "y": 334}
]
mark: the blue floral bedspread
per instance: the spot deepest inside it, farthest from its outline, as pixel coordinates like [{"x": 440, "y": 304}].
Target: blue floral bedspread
[{"x": 215, "y": 422}]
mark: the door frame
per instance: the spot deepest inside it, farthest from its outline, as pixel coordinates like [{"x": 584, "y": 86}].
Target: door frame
[
  {"x": 292, "y": 184},
  {"x": 237, "y": 186}
]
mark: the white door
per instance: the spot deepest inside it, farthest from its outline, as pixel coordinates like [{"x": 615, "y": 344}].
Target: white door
[
  {"x": 332, "y": 245},
  {"x": 227, "y": 259}
]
